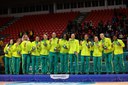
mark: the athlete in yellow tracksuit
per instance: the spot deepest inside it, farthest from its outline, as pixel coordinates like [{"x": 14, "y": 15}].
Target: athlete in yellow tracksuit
[
  {"x": 44, "y": 52},
  {"x": 97, "y": 55},
  {"x": 107, "y": 51},
  {"x": 73, "y": 46},
  {"x": 86, "y": 46},
  {"x": 16, "y": 56},
  {"x": 25, "y": 51},
  {"x": 8, "y": 57},
  {"x": 35, "y": 55},
  {"x": 118, "y": 46},
  {"x": 53, "y": 55},
  {"x": 79, "y": 58},
  {"x": 63, "y": 45}
]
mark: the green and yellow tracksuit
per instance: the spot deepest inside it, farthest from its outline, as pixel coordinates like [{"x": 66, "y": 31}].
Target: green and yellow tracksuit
[
  {"x": 118, "y": 46},
  {"x": 44, "y": 52},
  {"x": 107, "y": 51},
  {"x": 53, "y": 55},
  {"x": 97, "y": 57},
  {"x": 79, "y": 59},
  {"x": 85, "y": 56},
  {"x": 25, "y": 51},
  {"x": 16, "y": 56},
  {"x": 8, "y": 59},
  {"x": 73, "y": 46},
  {"x": 63, "y": 45},
  {"x": 35, "y": 56}
]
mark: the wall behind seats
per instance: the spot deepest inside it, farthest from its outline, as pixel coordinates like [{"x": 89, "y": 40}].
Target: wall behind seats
[
  {"x": 88, "y": 9},
  {"x": 81, "y": 6}
]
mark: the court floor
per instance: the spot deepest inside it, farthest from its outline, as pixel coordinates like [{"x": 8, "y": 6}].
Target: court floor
[{"x": 69, "y": 83}]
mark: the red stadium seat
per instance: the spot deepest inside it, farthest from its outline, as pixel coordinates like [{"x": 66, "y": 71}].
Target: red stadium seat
[{"x": 40, "y": 24}]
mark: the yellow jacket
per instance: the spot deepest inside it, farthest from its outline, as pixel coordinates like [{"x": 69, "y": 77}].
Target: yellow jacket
[
  {"x": 54, "y": 44},
  {"x": 8, "y": 51},
  {"x": 86, "y": 48},
  {"x": 35, "y": 48},
  {"x": 73, "y": 46},
  {"x": 44, "y": 47},
  {"x": 97, "y": 49},
  {"x": 80, "y": 47},
  {"x": 16, "y": 50},
  {"x": 106, "y": 43},
  {"x": 25, "y": 47},
  {"x": 118, "y": 46},
  {"x": 63, "y": 44}
]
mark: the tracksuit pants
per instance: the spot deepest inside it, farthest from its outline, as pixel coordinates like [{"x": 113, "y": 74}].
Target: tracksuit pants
[
  {"x": 53, "y": 58},
  {"x": 119, "y": 63},
  {"x": 97, "y": 63},
  {"x": 35, "y": 64},
  {"x": 85, "y": 65},
  {"x": 25, "y": 63},
  {"x": 16, "y": 65},
  {"x": 108, "y": 62},
  {"x": 73, "y": 66},
  {"x": 44, "y": 64},
  {"x": 8, "y": 65},
  {"x": 63, "y": 63}
]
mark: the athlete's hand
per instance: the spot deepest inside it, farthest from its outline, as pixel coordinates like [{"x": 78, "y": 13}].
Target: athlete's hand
[
  {"x": 75, "y": 53},
  {"x": 118, "y": 44},
  {"x": 17, "y": 44},
  {"x": 8, "y": 48}
]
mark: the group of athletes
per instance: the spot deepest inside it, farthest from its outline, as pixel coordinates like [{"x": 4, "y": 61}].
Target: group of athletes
[{"x": 56, "y": 55}]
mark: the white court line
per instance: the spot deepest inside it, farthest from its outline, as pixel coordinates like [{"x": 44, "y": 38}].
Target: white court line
[{"x": 111, "y": 83}]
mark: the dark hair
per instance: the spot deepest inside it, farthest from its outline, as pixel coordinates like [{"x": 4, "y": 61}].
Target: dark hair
[
  {"x": 66, "y": 36},
  {"x": 43, "y": 35},
  {"x": 9, "y": 42},
  {"x": 37, "y": 36},
  {"x": 88, "y": 38},
  {"x": 95, "y": 36},
  {"x": 73, "y": 33},
  {"x": 116, "y": 36}
]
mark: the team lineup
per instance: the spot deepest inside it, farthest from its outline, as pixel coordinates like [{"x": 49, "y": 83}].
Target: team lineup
[{"x": 48, "y": 54}]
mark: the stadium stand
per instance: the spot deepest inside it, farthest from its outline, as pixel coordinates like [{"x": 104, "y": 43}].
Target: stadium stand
[
  {"x": 48, "y": 23},
  {"x": 44, "y": 23},
  {"x": 3, "y": 20},
  {"x": 104, "y": 15}
]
